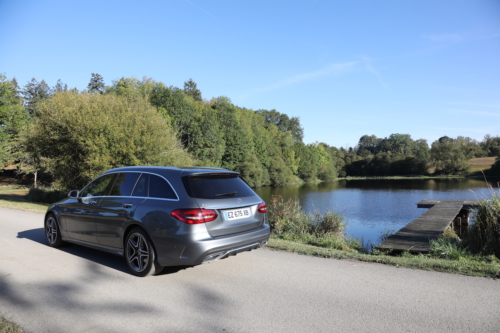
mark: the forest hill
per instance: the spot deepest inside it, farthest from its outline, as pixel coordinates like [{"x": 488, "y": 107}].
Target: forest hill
[{"x": 265, "y": 146}]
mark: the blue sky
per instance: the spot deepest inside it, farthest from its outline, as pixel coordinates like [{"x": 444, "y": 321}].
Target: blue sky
[{"x": 346, "y": 68}]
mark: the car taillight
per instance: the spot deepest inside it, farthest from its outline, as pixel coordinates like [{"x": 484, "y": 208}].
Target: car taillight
[
  {"x": 195, "y": 216},
  {"x": 262, "y": 208}
]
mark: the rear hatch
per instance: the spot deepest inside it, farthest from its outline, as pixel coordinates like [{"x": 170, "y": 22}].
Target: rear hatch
[{"x": 236, "y": 204}]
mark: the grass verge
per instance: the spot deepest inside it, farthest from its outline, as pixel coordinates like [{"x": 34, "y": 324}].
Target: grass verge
[
  {"x": 15, "y": 198},
  {"x": 464, "y": 267},
  {"x": 9, "y": 327}
]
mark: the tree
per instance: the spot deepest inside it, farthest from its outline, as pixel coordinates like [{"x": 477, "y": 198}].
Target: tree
[
  {"x": 190, "y": 89},
  {"x": 368, "y": 143},
  {"x": 13, "y": 117},
  {"x": 451, "y": 156},
  {"x": 283, "y": 123},
  {"x": 237, "y": 143},
  {"x": 78, "y": 136},
  {"x": 491, "y": 145},
  {"x": 96, "y": 84},
  {"x": 35, "y": 92},
  {"x": 60, "y": 87}
]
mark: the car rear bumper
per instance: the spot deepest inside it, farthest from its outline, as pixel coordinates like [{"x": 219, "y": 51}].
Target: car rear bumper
[{"x": 213, "y": 249}]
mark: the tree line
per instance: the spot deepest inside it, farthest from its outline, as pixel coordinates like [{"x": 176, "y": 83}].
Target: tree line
[{"x": 74, "y": 135}]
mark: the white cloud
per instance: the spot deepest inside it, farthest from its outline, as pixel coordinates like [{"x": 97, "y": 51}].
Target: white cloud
[
  {"x": 367, "y": 62},
  {"x": 203, "y": 10},
  {"x": 331, "y": 69}
]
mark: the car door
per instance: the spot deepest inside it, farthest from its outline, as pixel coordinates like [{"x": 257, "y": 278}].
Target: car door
[
  {"x": 80, "y": 214},
  {"x": 116, "y": 209}
]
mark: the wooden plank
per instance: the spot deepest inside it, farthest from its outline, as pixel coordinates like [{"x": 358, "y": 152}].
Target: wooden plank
[
  {"x": 416, "y": 235},
  {"x": 467, "y": 204}
]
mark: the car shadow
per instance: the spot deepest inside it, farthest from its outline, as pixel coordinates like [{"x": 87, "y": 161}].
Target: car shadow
[{"x": 110, "y": 260}]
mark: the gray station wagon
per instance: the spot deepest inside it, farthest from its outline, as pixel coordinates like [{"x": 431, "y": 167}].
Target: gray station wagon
[{"x": 162, "y": 216}]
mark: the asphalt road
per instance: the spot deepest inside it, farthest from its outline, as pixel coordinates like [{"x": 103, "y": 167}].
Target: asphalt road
[{"x": 75, "y": 289}]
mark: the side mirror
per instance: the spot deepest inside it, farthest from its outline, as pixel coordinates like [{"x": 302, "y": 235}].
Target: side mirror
[{"x": 73, "y": 194}]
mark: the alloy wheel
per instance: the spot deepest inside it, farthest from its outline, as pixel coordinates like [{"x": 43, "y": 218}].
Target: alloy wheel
[
  {"x": 51, "y": 230},
  {"x": 138, "y": 252}
]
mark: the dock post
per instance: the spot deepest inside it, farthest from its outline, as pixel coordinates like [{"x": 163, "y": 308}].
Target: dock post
[{"x": 461, "y": 222}]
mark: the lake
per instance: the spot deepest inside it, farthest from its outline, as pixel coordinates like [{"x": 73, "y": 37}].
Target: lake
[{"x": 374, "y": 206}]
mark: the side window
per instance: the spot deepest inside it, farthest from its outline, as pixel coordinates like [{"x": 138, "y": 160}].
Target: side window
[
  {"x": 124, "y": 184},
  {"x": 99, "y": 186},
  {"x": 141, "y": 188},
  {"x": 159, "y": 188}
]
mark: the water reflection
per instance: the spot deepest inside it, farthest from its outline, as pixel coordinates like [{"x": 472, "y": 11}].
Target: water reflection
[{"x": 375, "y": 206}]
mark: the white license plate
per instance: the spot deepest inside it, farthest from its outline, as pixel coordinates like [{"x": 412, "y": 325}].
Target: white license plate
[{"x": 237, "y": 214}]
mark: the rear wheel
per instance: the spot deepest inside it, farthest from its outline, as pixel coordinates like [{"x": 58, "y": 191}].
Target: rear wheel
[
  {"x": 140, "y": 254},
  {"x": 52, "y": 232}
]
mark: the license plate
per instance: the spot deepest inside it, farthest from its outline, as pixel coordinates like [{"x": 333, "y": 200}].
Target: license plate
[{"x": 237, "y": 214}]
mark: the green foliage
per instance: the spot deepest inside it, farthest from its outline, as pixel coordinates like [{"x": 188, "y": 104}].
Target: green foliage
[
  {"x": 484, "y": 234},
  {"x": 34, "y": 92},
  {"x": 78, "y": 136},
  {"x": 38, "y": 194},
  {"x": 491, "y": 145},
  {"x": 13, "y": 118},
  {"x": 96, "y": 84},
  {"x": 253, "y": 172},
  {"x": 60, "y": 87},
  {"x": 289, "y": 222},
  {"x": 330, "y": 224},
  {"x": 397, "y": 154},
  {"x": 191, "y": 89},
  {"x": 495, "y": 168},
  {"x": 283, "y": 123},
  {"x": 451, "y": 156}
]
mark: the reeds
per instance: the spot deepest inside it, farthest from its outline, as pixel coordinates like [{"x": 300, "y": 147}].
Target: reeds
[{"x": 288, "y": 221}]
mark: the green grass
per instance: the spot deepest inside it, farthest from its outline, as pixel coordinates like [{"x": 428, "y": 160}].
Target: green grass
[
  {"x": 15, "y": 198},
  {"x": 481, "y": 163},
  {"x": 9, "y": 327},
  {"x": 465, "y": 267}
]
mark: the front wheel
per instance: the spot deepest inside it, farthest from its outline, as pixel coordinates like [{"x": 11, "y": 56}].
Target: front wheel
[
  {"x": 52, "y": 232},
  {"x": 140, "y": 254}
]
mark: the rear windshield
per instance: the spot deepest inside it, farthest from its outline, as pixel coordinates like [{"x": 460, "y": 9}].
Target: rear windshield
[{"x": 216, "y": 186}]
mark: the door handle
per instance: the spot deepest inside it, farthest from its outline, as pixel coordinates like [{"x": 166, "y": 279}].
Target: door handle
[
  {"x": 127, "y": 205},
  {"x": 93, "y": 202}
]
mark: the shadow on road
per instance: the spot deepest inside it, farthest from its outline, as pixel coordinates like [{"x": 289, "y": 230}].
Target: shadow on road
[{"x": 99, "y": 257}]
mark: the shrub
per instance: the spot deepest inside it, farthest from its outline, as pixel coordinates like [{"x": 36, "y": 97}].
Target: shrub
[
  {"x": 37, "y": 194},
  {"x": 484, "y": 234},
  {"x": 330, "y": 224},
  {"x": 287, "y": 217},
  {"x": 289, "y": 222},
  {"x": 78, "y": 136}
]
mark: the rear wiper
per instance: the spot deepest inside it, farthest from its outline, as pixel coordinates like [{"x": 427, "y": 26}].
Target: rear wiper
[{"x": 228, "y": 194}]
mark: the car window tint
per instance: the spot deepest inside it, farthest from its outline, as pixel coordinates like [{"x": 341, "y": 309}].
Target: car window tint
[
  {"x": 99, "y": 187},
  {"x": 124, "y": 184},
  {"x": 216, "y": 186},
  {"x": 159, "y": 188},
  {"x": 141, "y": 188}
]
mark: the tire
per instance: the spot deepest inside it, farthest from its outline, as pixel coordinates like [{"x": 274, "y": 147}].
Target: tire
[
  {"x": 52, "y": 232},
  {"x": 140, "y": 254}
]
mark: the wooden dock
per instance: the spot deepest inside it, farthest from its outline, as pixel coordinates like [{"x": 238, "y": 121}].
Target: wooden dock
[{"x": 416, "y": 235}]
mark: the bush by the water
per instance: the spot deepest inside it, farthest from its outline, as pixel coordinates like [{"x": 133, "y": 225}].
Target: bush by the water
[
  {"x": 289, "y": 221},
  {"x": 481, "y": 242},
  {"x": 36, "y": 194},
  {"x": 484, "y": 234}
]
